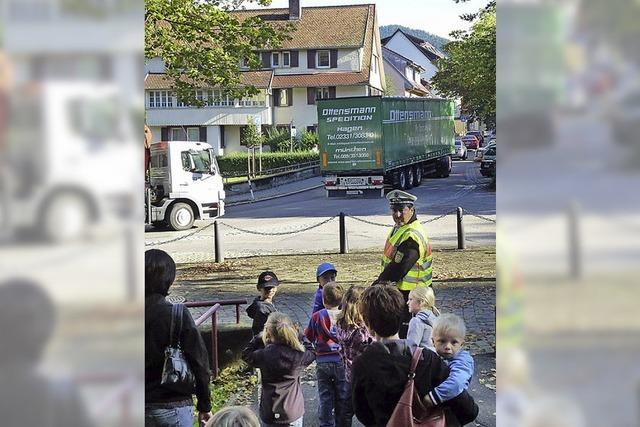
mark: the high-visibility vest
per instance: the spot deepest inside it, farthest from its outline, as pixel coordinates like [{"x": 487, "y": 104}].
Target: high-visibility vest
[{"x": 422, "y": 271}]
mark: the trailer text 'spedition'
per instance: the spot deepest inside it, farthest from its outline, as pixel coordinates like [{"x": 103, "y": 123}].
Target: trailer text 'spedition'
[{"x": 369, "y": 142}]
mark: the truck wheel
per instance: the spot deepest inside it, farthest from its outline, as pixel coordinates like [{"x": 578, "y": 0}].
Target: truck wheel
[
  {"x": 417, "y": 175},
  {"x": 402, "y": 179},
  {"x": 411, "y": 182},
  {"x": 181, "y": 216},
  {"x": 67, "y": 218}
]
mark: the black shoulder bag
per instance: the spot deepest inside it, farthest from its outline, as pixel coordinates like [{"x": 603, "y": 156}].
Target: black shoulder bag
[{"x": 176, "y": 374}]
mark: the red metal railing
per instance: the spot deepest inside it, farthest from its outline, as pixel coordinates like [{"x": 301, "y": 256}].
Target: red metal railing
[{"x": 212, "y": 313}]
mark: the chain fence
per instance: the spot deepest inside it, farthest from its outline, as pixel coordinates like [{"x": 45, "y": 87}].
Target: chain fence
[
  {"x": 280, "y": 233},
  {"x": 199, "y": 230},
  {"x": 312, "y": 226}
]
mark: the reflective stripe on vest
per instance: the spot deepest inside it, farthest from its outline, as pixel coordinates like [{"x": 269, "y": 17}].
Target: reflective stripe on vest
[{"x": 422, "y": 271}]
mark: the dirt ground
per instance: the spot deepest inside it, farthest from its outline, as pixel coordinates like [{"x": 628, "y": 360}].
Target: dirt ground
[{"x": 297, "y": 272}]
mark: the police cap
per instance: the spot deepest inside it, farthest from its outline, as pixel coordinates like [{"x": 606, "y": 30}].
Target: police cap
[{"x": 401, "y": 198}]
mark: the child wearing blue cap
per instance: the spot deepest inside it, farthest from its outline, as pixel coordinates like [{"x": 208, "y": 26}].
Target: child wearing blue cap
[{"x": 325, "y": 273}]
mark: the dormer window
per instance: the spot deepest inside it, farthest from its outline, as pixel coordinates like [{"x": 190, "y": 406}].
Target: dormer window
[
  {"x": 275, "y": 59},
  {"x": 286, "y": 59},
  {"x": 281, "y": 59},
  {"x": 323, "y": 59}
]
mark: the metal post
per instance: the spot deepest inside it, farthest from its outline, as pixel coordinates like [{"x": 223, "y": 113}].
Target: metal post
[
  {"x": 131, "y": 241},
  {"x": 461, "y": 242},
  {"x": 214, "y": 343},
  {"x": 217, "y": 248},
  {"x": 344, "y": 246},
  {"x": 575, "y": 258}
]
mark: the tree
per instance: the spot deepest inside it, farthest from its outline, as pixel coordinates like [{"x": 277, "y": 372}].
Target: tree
[
  {"x": 469, "y": 70},
  {"x": 252, "y": 135},
  {"x": 202, "y": 43}
]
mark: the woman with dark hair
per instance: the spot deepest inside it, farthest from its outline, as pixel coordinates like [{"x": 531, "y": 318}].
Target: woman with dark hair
[
  {"x": 380, "y": 373},
  {"x": 163, "y": 407}
]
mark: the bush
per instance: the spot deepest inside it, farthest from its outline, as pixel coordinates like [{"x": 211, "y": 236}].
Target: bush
[
  {"x": 307, "y": 140},
  {"x": 236, "y": 164},
  {"x": 278, "y": 140}
]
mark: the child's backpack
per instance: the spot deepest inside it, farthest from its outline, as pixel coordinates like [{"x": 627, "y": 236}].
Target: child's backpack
[{"x": 409, "y": 411}]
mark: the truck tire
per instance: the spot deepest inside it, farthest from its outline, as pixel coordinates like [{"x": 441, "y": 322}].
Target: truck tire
[
  {"x": 67, "y": 217},
  {"x": 444, "y": 168},
  {"x": 181, "y": 216},
  {"x": 417, "y": 175},
  {"x": 411, "y": 175},
  {"x": 403, "y": 179}
]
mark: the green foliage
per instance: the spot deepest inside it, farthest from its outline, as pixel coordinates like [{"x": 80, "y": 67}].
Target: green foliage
[
  {"x": 278, "y": 139},
  {"x": 252, "y": 135},
  {"x": 437, "y": 41},
  {"x": 236, "y": 163},
  {"x": 307, "y": 141},
  {"x": 469, "y": 71},
  {"x": 202, "y": 44}
]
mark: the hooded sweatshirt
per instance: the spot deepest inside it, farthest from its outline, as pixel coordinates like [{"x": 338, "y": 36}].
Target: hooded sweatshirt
[
  {"x": 259, "y": 311},
  {"x": 420, "y": 330}
]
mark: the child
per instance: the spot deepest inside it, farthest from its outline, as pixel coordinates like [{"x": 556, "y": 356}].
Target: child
[
  {"x": 330, "y": 371},
  {"x": 262, "y": 306},
  {"x": 281, "y": 361},
  {"x": 353, "y": 337},
  {"x": 325, "y": 273},
  {"x": 422, "y": 305},
  {"x": 448, "y": 338},
  {"x": 234, "y": 416}
]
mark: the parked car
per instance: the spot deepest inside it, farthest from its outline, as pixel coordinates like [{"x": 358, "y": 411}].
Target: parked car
[
  {"x": 477, "y": 134},
  {"x": 480, "y": 151},
  {"x": 461, "y": 150},
  {"x": 471, "y": 141},
  {"x": 488, "y": 164}
]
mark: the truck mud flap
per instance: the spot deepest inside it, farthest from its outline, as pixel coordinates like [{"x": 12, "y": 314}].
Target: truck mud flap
[{"x": 368, "y": 193}]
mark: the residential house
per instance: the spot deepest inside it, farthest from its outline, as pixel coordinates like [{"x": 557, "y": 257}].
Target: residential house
[
  {"x": 334, "y": 51},
  {"x": 417, "y": 50},
  {"x": 402, "y": 76}
]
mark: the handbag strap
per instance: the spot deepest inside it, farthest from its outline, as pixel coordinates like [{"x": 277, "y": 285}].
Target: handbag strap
[
  {"x": 414, "y": 361},
  {"x": 176, "y": 325}
]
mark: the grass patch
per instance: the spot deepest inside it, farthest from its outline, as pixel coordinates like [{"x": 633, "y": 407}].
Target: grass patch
[{"x": 235, "y": 383}]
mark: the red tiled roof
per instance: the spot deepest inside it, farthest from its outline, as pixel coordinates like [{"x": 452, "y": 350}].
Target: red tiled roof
[
  {"x": 258, "y": 79},
  {"x": 320, "y": 79},
  {"x": 320, "y": 27}
]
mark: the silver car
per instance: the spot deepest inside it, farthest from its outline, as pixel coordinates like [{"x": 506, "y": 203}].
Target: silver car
[{"x": 461, "y": 150}]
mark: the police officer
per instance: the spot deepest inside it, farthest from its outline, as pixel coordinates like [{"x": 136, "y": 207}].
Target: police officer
[{"x": 407, "y": 255}]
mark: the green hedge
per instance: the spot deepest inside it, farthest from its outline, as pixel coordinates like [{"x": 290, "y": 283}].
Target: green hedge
[{"x": 236, "y": 163}]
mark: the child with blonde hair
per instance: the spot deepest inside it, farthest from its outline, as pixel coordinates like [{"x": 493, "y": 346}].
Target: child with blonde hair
[
  {"x": 281, "y": 357},
  {"x": 353, "y": 337},
  {"x": 422, "y": 304},
  {"x": 234, "y": 416}
]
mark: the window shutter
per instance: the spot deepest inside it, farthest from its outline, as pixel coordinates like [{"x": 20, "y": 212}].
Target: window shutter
[
  {"x": 332, "y": 91},
  {"x": 333, "y": 58},
  {"x": 164, "y": 134},
  {"x": 221, "y": 136},
  {"x": 290, "y": 97},
  {"x": 311, "y": 95},
  {"x": 266, "y": 59},
  {"x": 294, "y": 58},
  {"x": 311, "y": 59},
  {"x": 275, "y": 98},
  {"x": 203, "y": 134}
]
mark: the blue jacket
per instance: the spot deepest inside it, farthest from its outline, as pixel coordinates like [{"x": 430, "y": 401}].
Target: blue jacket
[
  {"x": 461, "y": 369},
  {"x": 317, "y": 302}
]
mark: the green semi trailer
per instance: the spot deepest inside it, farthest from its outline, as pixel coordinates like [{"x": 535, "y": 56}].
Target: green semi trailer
[{"x": 371, "y": 143}]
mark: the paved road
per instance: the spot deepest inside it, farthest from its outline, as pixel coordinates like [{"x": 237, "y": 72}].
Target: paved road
[{"x": 291, "y": 214}]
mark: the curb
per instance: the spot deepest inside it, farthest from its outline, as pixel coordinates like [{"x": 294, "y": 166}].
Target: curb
[{"x": 245, "y": 202}]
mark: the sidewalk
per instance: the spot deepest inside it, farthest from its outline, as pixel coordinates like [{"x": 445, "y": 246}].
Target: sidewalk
[{"x": 280, "y": 190}]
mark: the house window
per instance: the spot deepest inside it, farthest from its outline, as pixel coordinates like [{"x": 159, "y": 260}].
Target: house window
[
  {"x": 193, "y": 134},
  {"x": 322, "y": 93},
  {"x": 322, "y": 59},
  {"x": 177, "y": 134},
  {"x": 275, "y": 59},
  {"x": 284, "y": 98},
  {"x": 374, "y": 64},
  {"x": 286, "y": 59},
  {"x": 160, "y": 99},
  {"x": 244, "y": 63}
]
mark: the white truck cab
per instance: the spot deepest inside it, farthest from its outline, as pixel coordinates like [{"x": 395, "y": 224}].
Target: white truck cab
[{"x": 184, "y": 184}]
